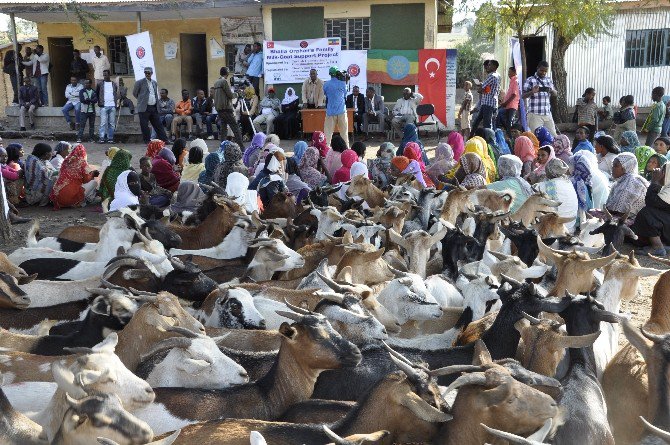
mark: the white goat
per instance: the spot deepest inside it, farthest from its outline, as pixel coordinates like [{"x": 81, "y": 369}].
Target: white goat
[{"x": 407, "y": 298}]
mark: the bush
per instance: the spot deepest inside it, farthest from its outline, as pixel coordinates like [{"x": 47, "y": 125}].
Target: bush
[{"x": 469, "y": 62}]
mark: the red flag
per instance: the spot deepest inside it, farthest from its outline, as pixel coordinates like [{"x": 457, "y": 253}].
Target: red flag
[{"x": 433, "y": 80}]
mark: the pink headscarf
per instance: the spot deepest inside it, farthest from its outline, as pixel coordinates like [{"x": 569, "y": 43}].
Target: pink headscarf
[
  {"x": 539, "y": 171},
  {"x": 348, "y": 158},
  {"x": 413, "y": 153},
  {"x": 455, "y": 140},
  {"x": 523, "y": 148},
  {"x": 563, "y": 147},
  {"x": 319, "y": 142}
]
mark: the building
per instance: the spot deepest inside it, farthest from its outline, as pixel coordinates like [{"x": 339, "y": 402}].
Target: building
[
  {"x": 6, "y": 92},
  {"x": 632, "y": 59}
]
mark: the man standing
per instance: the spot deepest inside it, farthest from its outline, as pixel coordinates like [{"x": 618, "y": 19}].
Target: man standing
[
  {"x": 146, "y": 93},
  {"x": 166, "y": 108},
  {"x": 312, "y": 91},
  {"x": 39, "y": 61},
  {"x": 78, "y": 67},
  {"x": 374, "y": 110},
  {"x": 9, "y": 67},
  {"x": 336, "y": 111},
  {"x": 356, "y": 101},
  {"x": 73, "y": 103},
  {"x": 404, "y": 111},
  {"x": 510, "y": 104},
  {"x": 100, "y": 64},
  {"x": 653, "y": 125},
  {"x": 242, "y": 60},
  {"x": 269, "y": 108},
  {"x": 488, "y": 96},
  {"x": 255, "y": 69},
  {"x": 88, "y": 99},
  {"x": 108, "y": 95},
  {"x": 223, "y": 102},
  {"x": 202, "y": 108},
  {"x": 29, "y": 100},
  {"x": 183, "y": 111},
  {"x": 539, "y": 89},
  {"x": 28, "y": 56}
]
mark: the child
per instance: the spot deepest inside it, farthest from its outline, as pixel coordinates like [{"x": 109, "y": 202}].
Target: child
[
  {"x": 662, "y": 146},
  {"x": 123, "y": 97},
  {"x": 13, "y": 178},
  {"x": 654, "y": 123},
  {"x": 606, "y": 111},
  {"x": 192, "y": 170},
  {"x": 88, "y": 99},
  {"x": 586, "y": 109},
  {"x": 624, "y": 119},
  {"x": 582, "y": 141},
  {"x": 654, "y": 162},
  {"x": 151, "y": 192},
  {"x": 464, "y": 113},
  {"x": 606, "y": 151}
]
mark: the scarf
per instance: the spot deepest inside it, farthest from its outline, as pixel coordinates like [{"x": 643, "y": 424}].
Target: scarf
[
  {"x": 154, "y": 147},
  {"x": 123, "y": 197},
  {"x": 489, "y": 137},
  {"x": 62, "y": 145},
  {"x": 509, "y": 168},
  {"x": 562, "y": 147},
  {"x": 189, "y": 198},
  {"x": 662, "y": 160},
  {"x": 455, "y": 140},
  {"x": 167, "y": 155},
  {"x": 643, "y": 154},
  {"x": 539, "y": 171},
  {"x": 289, "y": 96},
  {"x": 299, "y": 150},
  {"x": 164, "y": 172},
  {"x": 343, "y": 174},
  {"x": 191, "y": 172},
  {"x": 412, "y": 152},
  {"x": 38, "y": 174},
  {"x": 409, "y": 134},
  {"x": 534, "y": 140},
  {"x": 555, "y": 168},
  {"x": 112, "y": 152},
  {"x": 380, "y": 167},
  {"x": 231, "y": 162},
  {"x": 523, "y": 149},
  {"x": 319, "y": 142},
  {"x": 503, "y": 147},
  {"x": 415, "y": 169},
  {"x": 72, "y": 171},
  {"x": 581, "y": 180},
  {"x": 479, "y": 147},
  {"x": 474, "y": 169},
  {"x": 543, "y": 136},
  {"x": 443, "y": 162},
  {"x": 199, "y": 143},
  {"x": 664, "y": 193},
  {"x": 222, "y": 148},
  {"x": 400, "y": 162},
  {"x": 108, "y": 182},
  {"x": 212, "y": 161},
  {"x": 256, "y": 146},
  {"x": 237, "y": 189},
  {"x": 632, "y": 141},
  {"x": 629, "y": 188},
  {"x": 307, "y": 168},
  {"x": 272, "y": 167}
]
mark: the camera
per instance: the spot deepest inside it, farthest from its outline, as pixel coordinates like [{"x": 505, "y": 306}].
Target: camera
[
  {"x": 239, "y": 82},
  {"x": 342, "y": 75}
]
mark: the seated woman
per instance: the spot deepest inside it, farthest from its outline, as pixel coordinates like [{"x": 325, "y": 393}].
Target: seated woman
[
  {"x": 120, "y": 164},
  {"x": 413, "y": 152},
  {"x": 652, "y": 223},
  {"x": 308, "y": 168},
  {"x": 296, "y": 186},
  {"x": 127, "y": 190},
  {"x": 662, "y": 146},
  {"x": 154, "y": 147},
  {"x": 643, "y": 154},
  {"x": 562, "y": 148},
  {"x": 607, "y": 150},
  {"x": 582, "y": 141},
  {"x": 237, "y": 187},
  {"x": 559, "y": 188},
  {"x": 247, "y": 112},
  {"x": 489, "y": 136},
  {"x": 189, "y": 198},
  {"x": 474, "y": 171},
  {"x": 654, "y": 162},
  {"x": 380, "y": 167},
  {"x": 151, "y": 192},
  {"x": 271, "y": 180},
  {"x": 76, "y": 185},
  {"x": 403, "y": 168},
  {"x": 13, "y": 179},
  {"x": 61, "y": 151},
  {"x": 629, "y": 141},
  {"x": 253, "y": 152},
  {"x": 232, "y": 162},
  {"x": 192, "y": 170},
  {"x": 107, "y": 161},
  {"x": 543, "y": 136},
  {"x": 628, "y": 192},
  {"x": 40, "y": 175},
  {"x": 179, "y": 151},
  {"x": 333, "y": 159},
  {"x": 360, "y": 148},
  {"x": 533, "y": 139},
  {"x": 299, "y": 150},
  {"x": 15, "y": 156},
  {"x": 442, "y": 163},
  {"x": 599, "y": 186},
  {"x": 287, "y": 125},
  {"x": 413, "y": 168},
  {"x": 163, "y": 168},
  {"x": 479, "y": 146},
  {"x": 544, "y": 155},
  {"x": 509, "y": 170},
  {"x": 411, "y": 134},
  {"x": 523, "y": 149},
  {"x": 343, "y": 174}
]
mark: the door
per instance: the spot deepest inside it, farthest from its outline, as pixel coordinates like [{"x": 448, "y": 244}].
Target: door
[
  {"x": 60, "y": 55},
  {"x": 535, "y": 53},
  {"x": 194, "y": 63}
]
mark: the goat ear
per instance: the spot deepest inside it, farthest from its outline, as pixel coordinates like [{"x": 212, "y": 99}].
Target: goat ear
[
  {"x": 130, "y": 222},
  {"x": 421, "y": 409},
  {"x": 346, "y": 274},
  {"x": 65, "y": 380},
  {"x": 257, "y": 438},
  {"x": 26, "y": 280},
  {"x": 481, "y": 356},
  {"x": 193, "y": 366},
  {"x": 287, "y": 331},
  {"x": 636, "y": 338},
  {"x": 396, "y": 238},
  {"x": 646, "y": 271},
  {"x": 101, "y": 306}
]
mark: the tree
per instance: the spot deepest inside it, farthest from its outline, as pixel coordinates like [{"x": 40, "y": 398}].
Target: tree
[{"x": 469, "y": 61}]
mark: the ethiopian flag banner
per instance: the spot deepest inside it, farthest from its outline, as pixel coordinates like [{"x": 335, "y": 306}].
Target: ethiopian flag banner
[{"x": 393, "y": 67}]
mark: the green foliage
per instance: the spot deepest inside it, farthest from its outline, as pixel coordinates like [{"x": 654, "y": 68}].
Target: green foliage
[
  {"x": 469, "y": 61},
  {"x": 581, "y": 18},
  {"x": 84, "y": 17}
]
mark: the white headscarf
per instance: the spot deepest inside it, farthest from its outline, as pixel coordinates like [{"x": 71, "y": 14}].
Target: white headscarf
[
  {"x": 289, "y": 97},
  {"x": 123, "y": 197},
  {"x": 237, "y": 189},
  {"x": 664, "y": 193}
]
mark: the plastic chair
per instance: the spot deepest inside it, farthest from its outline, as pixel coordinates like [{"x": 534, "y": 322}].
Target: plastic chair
[{"x": 427, "y": 110}]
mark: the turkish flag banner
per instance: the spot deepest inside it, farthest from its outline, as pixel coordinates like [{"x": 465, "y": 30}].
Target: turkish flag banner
[{"x": 433, "y": 80}]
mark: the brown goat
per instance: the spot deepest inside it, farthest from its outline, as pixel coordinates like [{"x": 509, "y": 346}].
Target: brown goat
[
  {"x": 550, "y": 225},
  {"x": 367, "y": 265},
  {"x": 362, "y": 186},
  {"x": 6, "y": 266},
  {"x": 212, "y": 230},
  {"x": 455, "y": 204},
  {"x": 534, "y": 206},
  {"x": 331, "y": 248},
  {"x": 81, "y": 234},
  {"x": 282, "y": 205}
]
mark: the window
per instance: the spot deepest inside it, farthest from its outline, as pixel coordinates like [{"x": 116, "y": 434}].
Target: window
[
  {"x": 118, "y": 56},
  {"x": 355, "y": 33},
  {"x": 647, "y": 47}
]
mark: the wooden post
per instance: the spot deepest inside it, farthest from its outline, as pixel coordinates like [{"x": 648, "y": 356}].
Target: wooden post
[
  {"x": 15, "y": 39},
  {"x": 139, "y": 22}
]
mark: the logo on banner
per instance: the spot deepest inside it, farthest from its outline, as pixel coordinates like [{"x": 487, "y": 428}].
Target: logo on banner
[
  {"x": 140, "y": 52},
  {"x": 398, "y": 67},
  {"x": 304, "y": 44},
  {"x": 270, "y": 45},
  {"x": 333, "y": 41},
  {"x": 354, "y": 70},
  {"x": 430, "y": 61}
]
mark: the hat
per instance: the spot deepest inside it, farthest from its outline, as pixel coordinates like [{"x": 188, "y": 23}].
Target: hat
[
  {"x": 271, "y": 90},
  {"x": 333, "y": 71},
  {"x": 148, "y": 69},
  {"x": 407, "y": 90}
]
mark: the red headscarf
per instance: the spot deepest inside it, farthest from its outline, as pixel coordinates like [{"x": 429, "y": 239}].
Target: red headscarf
[
  {"x": 455, "y": 140},
  {"x": 154, "y": 147},
  {"x": 413, "y": 153},
  {"x": 523, "y": 148},
  {"x": 165, "y": 175},
  {"x": 319, "y": 142},
  {"x": 400, "y": 162},
  {"x": 348, "y": 158},
  {"x": 72, "y": 170}
]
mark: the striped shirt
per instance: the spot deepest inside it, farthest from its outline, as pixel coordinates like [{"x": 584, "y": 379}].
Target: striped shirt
[
  {"x": 540, "y": 102},
  {"x": 490, "y": 90}
]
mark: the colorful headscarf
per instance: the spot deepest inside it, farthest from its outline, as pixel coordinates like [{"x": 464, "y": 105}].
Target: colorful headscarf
[
  {"x": 643, "y": 153},
  {"x": 299, "y": 150},
  {"x": 167, "y": 155},
  {"x": 112, "y": 152},
  {"x": 154, "y": 147},
  {"x": 381, "y": 166},
  {"x": 474, "y": 169},
  {"x": 120, "y": 164},
  {"x": 307, "y": 168},
  {"x": 319, "y": 142},
  {"x": 556, "y": 168},
  {"x": 581, "y": 180},
  {"x": 562, "y": 147},
  {"x": 400, "y": 162},
  {"x": 539, "y": 171},
  {"x": 223, "y": 146},
  {"x": 414, "y": 168},
  {"x": 409, "y": 134},
  {"x": 523, "y": 149},
  {"x": 501, "y": 142},
  {"x": 72, "y": 170},
  {"x": 443, "y": 162},
  {"x": 257, "y": 143},
  {"x": 348, "y": 158},
  {"x": 631, "y": 138},
  {"x": 535, "y": 141},
  {"x": 212, "y": 161},
  {"x": 412, "y": 151},
  {"x": 543, "y": 136},
  {"x": 231, "y": 162},
  {"x": 479, "y": 146},
  {"x": 455, "y": 140}
]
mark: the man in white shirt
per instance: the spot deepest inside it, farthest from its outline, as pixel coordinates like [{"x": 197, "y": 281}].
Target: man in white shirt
[
  {"x": 73, "y": 103},
  {"x": 404, "y": 111},
  {"x": 108, "y": 95},
  {"x": 100, "y": 64},
  {"x": 39, "y": 61}
]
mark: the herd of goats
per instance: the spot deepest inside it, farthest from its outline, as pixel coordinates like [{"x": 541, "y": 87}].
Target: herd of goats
[{"x": 392, "y": 316}]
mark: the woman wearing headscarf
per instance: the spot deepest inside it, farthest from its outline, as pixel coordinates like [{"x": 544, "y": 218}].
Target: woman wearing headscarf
[
  {"x": 249, "y": 110},
  {"x": 40, "y": 175},
  {"x": 151, "y": 193},
  {"x": 13, "y": 179},
  {"x": 643, "y": 153},
  {"x": 652, "y": 223},
  {"x": 75, "y": 184},
  {"x": 343, "y": 174},
  {"x": 543, "y": 136},
  {"x": 606, "y": 150},
  {"x": 333, "y": 160},
  {"x": 179, "y": 151},
  {"x": 501, "y": 142},
  {"x": 629, "y": 141},
  {"x": 479, "y": 146},
  {"x": 192, "y": 170},
  {"x": 523, "y": 149},
  {"x": 533, "y": 139},
  {"x": 654, "y": 162},
  {"x": 562, "y": 148},
  {"x": 398, "y": 165},
  {"x": 413, "y": 152},
  {"x": 296, "y": 186},
  {"x": 544, "y": 155},
  {"x": 162, "y": 168},
  {"x": 413, "y": 168},
  {"x": 443, "y": 162},
  {"x": 253, "y": 152},
  {"x": 286, "y": 124},
  {"x": 232, "y": 162},
  {"x": 127, "y": 190},
  {"x": 489, "y": 137},
  {"x": 189, "y": 198},
  {"x": 581, "y": 181},
  {"x": 455, "y": 141},
  {"x": 600, "y": 185},
  {"x": 582, "y": 141},
  {"x": 272, "y": 178},
  {"x": 120, "y": 163},
  {"x": 380, "y": 167},
  {"x": 237, "y": 188},
  {"x": 628, "y": 192},
  {"x": 319, "y": 142},
  {"x": 61, "y": 150},
  {"x": 509, "y": 170},
  {"x": 154, "y": 147},
  {"x": 560, "y": 188},
  {"x": 474, "y": 170},
  {"x": 299, "y": 150},
  {"x": 212, "y": 162},
  {"x": 308, "y": 169}
]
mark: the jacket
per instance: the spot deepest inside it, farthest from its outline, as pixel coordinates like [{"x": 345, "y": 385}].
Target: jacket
[
  {"x": 223, "y": 95},
  {"x": 375, "y": 105},
  {"x": 165, "y": 108},
  {"x": 100, "y": 92},
  {"x": 79, "y": 68},
  {"x": 141, "y": 93},
  {"x": 88, "y": 99},
  {"x": 360, "y": 102},
  {"x": 9, "y": 63},
  {"x": 201, "y": 107},
  {"x": 29, "y": 95},
  {"x": 184, "y": 108},
  {"x": 43, "y": 60}
]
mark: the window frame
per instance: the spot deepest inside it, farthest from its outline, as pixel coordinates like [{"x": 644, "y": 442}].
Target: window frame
[
  {"x": 351, "y": 33},
  {"x": 111, "y": 47},
  {"x": 647, "y": 48}
]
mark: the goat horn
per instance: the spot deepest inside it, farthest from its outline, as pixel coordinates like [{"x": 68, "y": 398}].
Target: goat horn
[
  {"x": 144, "y": 239},
  {"x": 510, "y": 280},
  {"x": 509, "y": 437},
  {"x": 333, "y": 436},
  {"x": 599, "y": 262},
  {"x": 290, "y": 315},
  {"x": 396, "y": 272},
  {"x": 660, "y": 260},
  {"x": 656, "y": 430},
  {"x": 183, "y": 331},
  {"x": 330, "y": 282},
  {"x": 409, "y": 371},
  {"x": 330, "y": 296},
  {"x": 177, "y": 263},
  {"x": 653, "y": 337},
  {"x": 297, "y": 309},
  {"x": 454, "y": 369},
  {"x": 402, "y": 358},
  {"x": 168, "y": 343},
  {"x": 534, "y": 321},
  {"x": 113, "y": 266},
  {"x": 477, "y": 378},
  {"x": 109, "y": 285},
  {"x": 499, "y": 255}
]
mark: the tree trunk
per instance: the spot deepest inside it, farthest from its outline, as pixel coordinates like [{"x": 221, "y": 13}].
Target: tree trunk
[
  {"x": 560, "y": 75},
  {"x": 5, "y": 226}
]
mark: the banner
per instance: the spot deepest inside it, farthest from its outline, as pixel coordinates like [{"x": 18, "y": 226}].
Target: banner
[
  {"x": 516, "y": 56},
  {"x": 141, "y": 54},
  {"x": 289, "y": 61},
  {"x": 393, "y": 67},
  {"x": 355, "y": 62},
  {"x": 452, "y": 66},
  {"x": 433, "y": 80}
]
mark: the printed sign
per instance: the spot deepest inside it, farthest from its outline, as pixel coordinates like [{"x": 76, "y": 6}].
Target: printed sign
[
  {"x": 290, "y": 61},
  {"x": 141, "y": 54}
]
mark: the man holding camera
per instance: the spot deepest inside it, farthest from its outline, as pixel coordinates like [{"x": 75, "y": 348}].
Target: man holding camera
[
  {"x": 539, "y": 88},
  {"x": 404, "y": 111},
  {"x": 223, "y": 102},
  {"x": 336, "y": 111}
]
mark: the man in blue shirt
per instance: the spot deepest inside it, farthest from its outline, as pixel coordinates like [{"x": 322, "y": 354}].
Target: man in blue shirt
[
  {"x": 336, "y": 112},
  {"x": 255, "y": 67}
]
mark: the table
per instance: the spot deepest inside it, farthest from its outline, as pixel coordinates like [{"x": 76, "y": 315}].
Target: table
[{"x": 313, "y": 119}]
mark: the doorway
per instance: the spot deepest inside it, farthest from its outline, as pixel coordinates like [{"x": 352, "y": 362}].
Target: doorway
[
  {"x": 535, "y": 53},
  {"x": 60, "y": 55},
  {"x": 194, "y": 63}
]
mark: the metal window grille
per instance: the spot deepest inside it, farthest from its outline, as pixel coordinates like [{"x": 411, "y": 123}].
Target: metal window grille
[
  {"x": 119, "y": 58},
  {"x": 355, "y": 33},
  {"x": 647, "y": 48}
]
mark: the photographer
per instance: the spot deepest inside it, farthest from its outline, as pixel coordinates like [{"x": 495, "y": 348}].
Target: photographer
[
  {"x": 336, "y": 112},
  {"x": 247, "y": 108},
  {"x": 404, "y": 111},
  {"x": 223, "y": 102},
  {"x": 539, "y": 89}
]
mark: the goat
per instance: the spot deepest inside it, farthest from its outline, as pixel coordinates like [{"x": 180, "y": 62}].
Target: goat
[
  {"x": 418, "y": 245},
  {"x": 365, "y": 188},
  {"x": 329, "y": 221},
  {"x": 319, "y": 196},
  {"x": 457, "y": 246},
  {"x": 365, "y": 264},
  {"x": 534, "y": 206},
  {"x": 234, "y": 245},
  {"x": 407, "y": 298},
  {"x": 213, "y": 229},
  {"x": 11, "y": 295},
  {"x": 230, "y": 307},
  {"x": 614, "y": 230},
  {"x": 272, "y": 256},
  {"x": 282, "y": 205},
  {"x": 80, "y": 234},
  {"x": 45, "y": 293},
  {"x": 550, "y": 225},
  {"x": 169, "y": 440},
  {"x": 6, "y": 266},
  {"x": 537, "y": 438},
  {"x": 17, "y": 429}
]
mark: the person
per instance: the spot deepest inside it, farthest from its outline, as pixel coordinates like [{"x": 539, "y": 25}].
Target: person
[
  {"x": 223, "y": 102},
  {"x": 380, "y": 167},
  {"x": 629, "y": 141},
  {"x": 606, "y": 111},
  {"x": 15, "y": 155},
  {"x": 360, "y": 148},
  {"x": 107, "y": 161},
  {"x": 544, "y": 155},
  {"x": 248, "y": 112},
  {"x": 409, "y": 134},
  {"x": 271, "y": 145},
  {"x": 642, "y": 154},
  {"x": 599, "y": 187},
  {"x": 212, "y": 162},
  {"x": 189, "y": 197},
  {"x": 162, "y": 167},
  {"x": 560, "y": 188},
  {"x": 312, "y": 91},
  {"x": 237, "y": 188},
  {"x": 232, "y": 162},
  {"x": 654, "y": 162},
  {"x": 76, "y": 184},
  {"x": 39, "y": 61},
  {"x": 286, "y": 124},
  {"x": 269, "y": 106},
  {"x": 342, "y": 174},
  {"x": 653, "y": 125},
  {"x": 479, "y": 146},
  {"x": 165, "y": 108},
  {"x": 253, "y": 152},
  {"x": 333, "y": 159},
  {"x": 398, "y": 165},
  {"x": 27, "y": 70},
  {"x": 628, "y": 192},
  {"x": 151, "y": 193},
  {"x": 78, "y": 67},
  {"x": 413, "y": 152},
  {"x": 61, "y": 150},
  {"x": 120, "y": 163},
  {"x": 179, "y": 151},
  {"x": 662, "y": 146},
  {"x": 13, "y": 178},
  {"x": 124, "y": 100},
  {"x": 464, "y": 116},
  {"x": 271, "y": 179},
  {"x": 523, "y": 149},
  {"x": 336, "y": 111},
  {"x": 374, "y": 111},
  {"x": 319, "y": 141},
  {"x": 100, "y": 63},
  {"x": 652, "y": 222},
  {"x": 543, "y": 136},
  {"x": 509, "y": 170},
  {"x": 29, "y": 100},
  {"x": 581, "y": 181},
  {"x": 308, "y": 169},
  {"x": 299, "y": 150},
  {"x": 582, "y": 136},
  {"x": 40, "y": 175},
  {"x": 587, "y": 110},
  {"x": 665, "y": 128},
  {"x": 201, "y": 108},
  {"x": 443, "y": 163},
  {"x": 539, "y": 89},
  {"x": 127, "y": 190},
  {"x": 473, "y": 170},
  {"x": 294, "y": 183},
  {"x": 562, "y": 148},
  {"x": 9, "y": 67},
  {"x": 153, "y": 148},
  {"x": 356, "y": 101},
  {"x": 255, "y": 66},
  {"x": 624, "y": 119},
  {"x": 192, "y": 170},
  {"x": 489, "y": 137},
  {"x": 241, "y": 59},
  {"x": 108, "y": 95},
  {"x": 146, "y": 93},
  {"x": 183, "y": 110},
  {"x": 606, "y": 150},
  {"x": 88, "y": 98},
  {"x": 488, "y": 96},
  {"x": 510, "y": 104},
  {"x": 457, "y": 144},
  {"x": 72, "y": 103},
  {"x": 213, "y": 119},
  {"x": 404, "y": 111}
]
